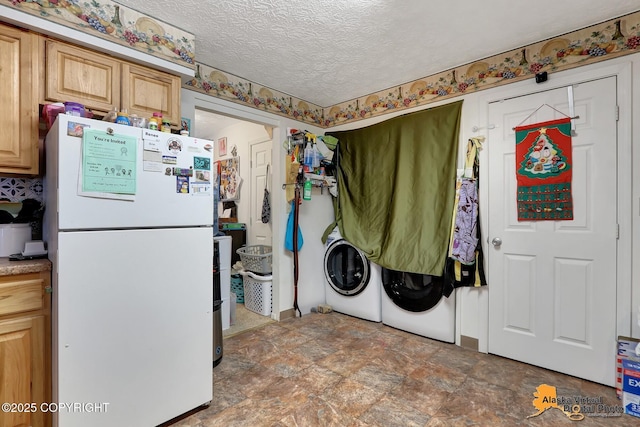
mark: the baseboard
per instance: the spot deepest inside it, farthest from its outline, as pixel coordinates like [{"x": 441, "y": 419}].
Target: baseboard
[
  {"x": 287, "y": 314},
  {"x": 468, "y": 342}
]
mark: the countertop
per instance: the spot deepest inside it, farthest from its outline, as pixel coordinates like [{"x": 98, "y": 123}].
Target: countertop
[{"x": 10, "y": 268}]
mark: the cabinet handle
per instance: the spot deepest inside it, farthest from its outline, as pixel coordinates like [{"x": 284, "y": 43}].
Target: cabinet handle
[{"x": 48, "y": 289}]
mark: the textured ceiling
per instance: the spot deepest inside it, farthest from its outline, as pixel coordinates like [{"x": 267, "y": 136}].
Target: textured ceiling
[{"x": 330, "y": 51}]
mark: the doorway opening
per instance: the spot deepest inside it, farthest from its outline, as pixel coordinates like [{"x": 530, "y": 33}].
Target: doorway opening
[{"x": 243, "y": 149}]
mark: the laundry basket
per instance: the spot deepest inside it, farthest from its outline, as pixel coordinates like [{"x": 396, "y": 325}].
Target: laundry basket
[
  {"x": 256, "y": 258},
  {"x": 257, "y": 292},
  {"x": 237, "y": 287}
]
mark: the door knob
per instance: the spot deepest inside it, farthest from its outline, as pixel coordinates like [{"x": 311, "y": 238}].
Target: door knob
[{"x": 496, "y": 242}]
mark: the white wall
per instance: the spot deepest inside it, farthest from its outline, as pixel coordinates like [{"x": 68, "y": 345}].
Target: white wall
[
  {"x": 315, "y": 215},
  {"x": 241, "y": 135},
  {"x": 472, "y": 303}
]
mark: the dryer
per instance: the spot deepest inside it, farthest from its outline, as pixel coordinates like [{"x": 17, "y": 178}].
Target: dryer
[
  {"x": 414, "y": 303},
  {"x": 352, "y": 282}
]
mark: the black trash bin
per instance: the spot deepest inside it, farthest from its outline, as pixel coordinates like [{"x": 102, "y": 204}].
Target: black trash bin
[
  {"x": 217, "y": 332},
  {"x": 217, "y": 311}
]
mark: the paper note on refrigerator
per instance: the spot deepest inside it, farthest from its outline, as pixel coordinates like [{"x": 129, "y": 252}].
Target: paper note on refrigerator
[
  {"x": 108, "y": 163},
  {"x": 152, "y": 161}
]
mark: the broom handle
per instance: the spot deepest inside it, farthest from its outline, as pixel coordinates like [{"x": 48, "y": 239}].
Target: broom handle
[{"x": 295, "y": 249}]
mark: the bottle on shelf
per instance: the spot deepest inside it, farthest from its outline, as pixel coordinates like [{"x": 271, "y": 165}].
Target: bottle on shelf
[
  {"x": 306, "y": 192},
  {"x": 134, "y": 120},
  {"x": 316, "y": 157},
  {"x": 308, "y": 157},
  {"x": 111, "y": 116},
  {"x": 153, "y": 123},
  {"x": 166, "y": 126},
  {"x": 123, "y": 119}
]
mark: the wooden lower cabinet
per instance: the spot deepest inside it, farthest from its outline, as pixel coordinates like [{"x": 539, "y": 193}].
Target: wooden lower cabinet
[{"x": 25, "y": 348}]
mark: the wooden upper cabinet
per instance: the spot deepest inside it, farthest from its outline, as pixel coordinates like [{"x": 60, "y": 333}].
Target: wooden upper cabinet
[
  {"x": 145, "y": 91},
  {"x": 19, "y": 86},
  {"x": 101, "y": 82},
  {"x": 79, "y": 75}
]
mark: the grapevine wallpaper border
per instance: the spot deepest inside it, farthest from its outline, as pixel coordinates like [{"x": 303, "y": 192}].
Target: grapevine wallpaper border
[
  {"x": 610, "y": 39},
  {"x": 233, "y": 88},
  {"x": 116, "y": 23},
  {"x": 125, "y": 26}
]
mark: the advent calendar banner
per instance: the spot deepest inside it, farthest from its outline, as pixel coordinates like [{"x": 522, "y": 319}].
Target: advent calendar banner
[{"x": 543, "y": 171}]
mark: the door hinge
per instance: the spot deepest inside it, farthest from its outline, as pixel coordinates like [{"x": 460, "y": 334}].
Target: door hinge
[
  {"x": 617, "y": 113},
  {"x": 617, "y": 231}
]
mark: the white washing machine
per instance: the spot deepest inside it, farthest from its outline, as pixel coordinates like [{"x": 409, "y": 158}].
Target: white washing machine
[
  {"x": 352, "y": 282},
  {"x": 414, "y": 303}
]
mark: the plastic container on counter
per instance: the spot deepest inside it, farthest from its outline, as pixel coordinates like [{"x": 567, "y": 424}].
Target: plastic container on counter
[
  {"x": 166, "y": 126},
  {"x": 50, "y": 112},
  {"x": 123, "y": 119},
  {"x": 111, "y": 116},
  {"x": 134, "y": 120},
  {"x": 13, "y": 238},
  {"x": 74, "y": 109}
]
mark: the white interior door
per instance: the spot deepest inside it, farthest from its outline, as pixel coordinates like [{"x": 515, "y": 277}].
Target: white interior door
[
  {"x": 552, "y": 296},
  {"x": 259, "y": 233}
]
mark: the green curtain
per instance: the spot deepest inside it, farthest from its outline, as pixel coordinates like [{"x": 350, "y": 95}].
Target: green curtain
[{"x": 396, "y": 188}]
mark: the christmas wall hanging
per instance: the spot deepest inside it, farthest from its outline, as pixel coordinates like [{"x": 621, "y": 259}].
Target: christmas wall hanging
[{"x": 543, "y": 170}]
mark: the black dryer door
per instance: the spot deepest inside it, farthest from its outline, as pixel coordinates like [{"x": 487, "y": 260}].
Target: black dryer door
[
  {"x": 346, "y": 268},
  {"x": 411, "y": 291}
]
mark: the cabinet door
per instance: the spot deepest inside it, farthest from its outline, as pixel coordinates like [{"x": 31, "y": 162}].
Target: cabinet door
[
  {"x": 145, "y": 91},
  {"x": 19, "y": 100},
  {"x": 23, "y": 370},
  {"x": 79, "y": 75}
]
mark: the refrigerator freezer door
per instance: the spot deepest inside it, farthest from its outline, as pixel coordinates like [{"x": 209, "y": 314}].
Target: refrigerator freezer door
[
  {"x": 165, "y": 194},
  {"x": 134, "y": 324}
]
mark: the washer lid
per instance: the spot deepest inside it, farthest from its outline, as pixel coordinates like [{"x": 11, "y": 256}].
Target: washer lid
[
  {"x": 412, "y": 291},
  {"x": 346, "y": 268}
]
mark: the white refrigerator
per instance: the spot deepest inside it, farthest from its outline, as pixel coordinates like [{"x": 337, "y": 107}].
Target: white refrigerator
[{"x": 128, "y": 225}]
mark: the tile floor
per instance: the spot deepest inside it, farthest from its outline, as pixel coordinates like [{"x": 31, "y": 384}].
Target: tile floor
[
  {"x": 245, "y": 320},
  {"x": 337, "y": 370}
]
